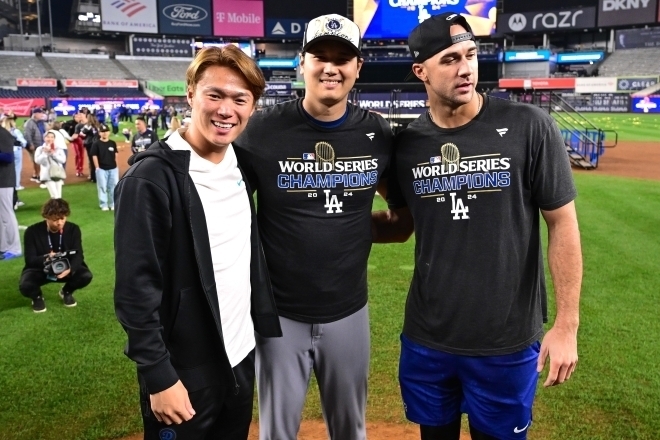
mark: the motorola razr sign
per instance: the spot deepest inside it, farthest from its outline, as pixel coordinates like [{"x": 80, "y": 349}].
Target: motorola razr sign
[
  {"x": 548, "y": 21},
  {"x": 625, "y": 12},
  {"x": 185, "y": 17}
]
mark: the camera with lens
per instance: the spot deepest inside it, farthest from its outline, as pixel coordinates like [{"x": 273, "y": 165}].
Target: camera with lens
[{"x": 57, "y": 263}]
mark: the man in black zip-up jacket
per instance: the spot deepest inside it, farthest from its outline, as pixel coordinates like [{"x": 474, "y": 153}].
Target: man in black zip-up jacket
[{"x": 191, "y": 279}]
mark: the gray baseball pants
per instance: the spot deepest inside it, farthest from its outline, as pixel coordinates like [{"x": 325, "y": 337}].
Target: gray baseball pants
[
  {"x": 10, "y": 240},
  {"x": 338, "y": 353}
]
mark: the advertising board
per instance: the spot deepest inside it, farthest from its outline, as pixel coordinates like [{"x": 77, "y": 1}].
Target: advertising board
[
  {"x": 21, "y": 106},
  {"x": 396, "y": 18},
  {"x": 626, "y": 12},
  {"x": 185, "y": 17},
  {"x": 545, "y": 21},
  {"x": 238, "y": 18},
  {"x": 139, "y": 16},
  {"x": 65, "y": 107}
]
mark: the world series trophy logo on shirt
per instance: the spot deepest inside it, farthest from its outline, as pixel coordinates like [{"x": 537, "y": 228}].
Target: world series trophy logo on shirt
[
  {"x": 325, "y": 153},
  {"x": 450, "y": 154}
]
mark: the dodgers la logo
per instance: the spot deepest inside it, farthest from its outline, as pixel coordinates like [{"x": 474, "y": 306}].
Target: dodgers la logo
[{"x": 333, "y": 25}]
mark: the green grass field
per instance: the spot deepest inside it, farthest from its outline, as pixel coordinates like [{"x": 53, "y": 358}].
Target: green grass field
[{"x": 64, "y": 376}]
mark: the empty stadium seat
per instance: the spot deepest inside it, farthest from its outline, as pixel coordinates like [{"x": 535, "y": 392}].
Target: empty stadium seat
[
  {"x": 157, "y": 70},
  {"x": 626, "y": 62}
]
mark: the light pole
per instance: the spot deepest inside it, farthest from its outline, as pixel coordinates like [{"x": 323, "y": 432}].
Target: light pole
[
  {"x": 20, "y": 16},
  {"x": 39, "y": 23},
  {"x": 50, "y": 18}
]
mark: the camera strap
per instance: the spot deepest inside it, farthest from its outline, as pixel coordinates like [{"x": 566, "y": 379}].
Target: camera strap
[{"x": 50, "y": 243}]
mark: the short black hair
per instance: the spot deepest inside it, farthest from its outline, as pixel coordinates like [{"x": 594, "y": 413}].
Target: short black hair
[
  {"x": 140, "y": 118},
  {"x": 55, "y": 208}
]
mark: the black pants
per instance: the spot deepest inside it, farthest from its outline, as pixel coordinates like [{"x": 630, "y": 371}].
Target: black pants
[
  {"x": 33, "y": 279},
  {"x": 220, "y": 414},
  {"x": 92, "y": 168}
]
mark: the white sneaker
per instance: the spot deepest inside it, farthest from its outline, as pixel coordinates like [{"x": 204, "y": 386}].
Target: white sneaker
[
  {"x": 105, "y": 208},
  {"x": 43, "y": 186},
  {"x": 18, "y": 188}
]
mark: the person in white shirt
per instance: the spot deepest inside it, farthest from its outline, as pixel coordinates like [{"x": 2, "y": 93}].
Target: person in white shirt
[
  {"x": 48, "y": 155},
  {"x": 192, "y": 285}
]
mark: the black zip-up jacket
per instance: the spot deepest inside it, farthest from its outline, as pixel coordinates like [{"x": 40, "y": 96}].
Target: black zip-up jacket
[{"x": 165, "y": 293}]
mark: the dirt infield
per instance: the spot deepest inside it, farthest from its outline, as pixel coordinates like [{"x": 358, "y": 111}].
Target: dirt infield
[
  {"x": 315, "y": 430},
  {"x": 631, "y": 159}
]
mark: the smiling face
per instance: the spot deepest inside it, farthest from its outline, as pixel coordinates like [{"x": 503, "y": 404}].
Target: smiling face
[
  {"x": 221, "y": 103},
  {"x": 330, "y": 69},
  {"x": 49, "y": 138},
  {"x": 452, "y": 74}
]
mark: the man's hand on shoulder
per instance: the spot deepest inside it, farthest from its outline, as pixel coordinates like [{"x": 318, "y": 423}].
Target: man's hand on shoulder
[
  {"x": 172, "y": 405},
  {"x": 560, "y": 344}
]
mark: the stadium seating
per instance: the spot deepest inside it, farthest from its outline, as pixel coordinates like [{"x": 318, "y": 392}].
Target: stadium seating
[
  {"x": 632, "y": 62},
  {"x": 12, "y": 67},
  {"x": 30, "y": 92},
  {"x": 157, "y": 70},
  {"x": 90, "y": 67}
]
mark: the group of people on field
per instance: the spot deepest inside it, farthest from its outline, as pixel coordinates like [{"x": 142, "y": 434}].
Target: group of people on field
[{"x": 217, "y": 292}]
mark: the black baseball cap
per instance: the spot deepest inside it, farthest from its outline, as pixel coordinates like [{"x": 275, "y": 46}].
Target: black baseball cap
[
  {"x": 104, "y": 127},
  {"x": 433, "y": 35}
]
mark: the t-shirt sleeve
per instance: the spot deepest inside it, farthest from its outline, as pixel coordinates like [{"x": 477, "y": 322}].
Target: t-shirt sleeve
[
  {"x": 551, "y": 178},
  {"x": 94, "y": 151},
  {"x": 388, "y": 137},
  {"x": 395, "y": 197}
]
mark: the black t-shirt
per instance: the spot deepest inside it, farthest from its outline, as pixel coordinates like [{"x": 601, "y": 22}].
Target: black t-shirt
[
  {"x": 90, "y": 134},
  {"x": 475, "y": 192},
  {"x": 106, "y": 153},
  {"x": 315, "y": 188},
  {"x": 142, "y": 141}
]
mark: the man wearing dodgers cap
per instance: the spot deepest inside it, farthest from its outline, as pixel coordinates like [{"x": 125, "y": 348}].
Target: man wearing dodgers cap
[
  {"x": 477, "y": 173},
  {"x": 315, "y": 164}
]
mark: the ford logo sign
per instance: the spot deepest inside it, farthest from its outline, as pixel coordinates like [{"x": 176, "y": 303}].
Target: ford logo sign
[{"x": 185, "y": 13}]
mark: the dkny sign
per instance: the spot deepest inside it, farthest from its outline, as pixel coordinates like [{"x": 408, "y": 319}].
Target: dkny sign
[
  {"x": 582, "y": 18},
  {"x": 625, "y": 12}
]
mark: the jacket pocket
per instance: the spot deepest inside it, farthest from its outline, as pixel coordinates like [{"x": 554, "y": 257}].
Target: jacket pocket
[{"x": 192, "y": 335}]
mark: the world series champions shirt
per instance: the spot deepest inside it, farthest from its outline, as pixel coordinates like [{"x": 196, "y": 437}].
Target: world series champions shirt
[
  {"x": 474, "y": 193},
  {"x": 315, "y": 188}
]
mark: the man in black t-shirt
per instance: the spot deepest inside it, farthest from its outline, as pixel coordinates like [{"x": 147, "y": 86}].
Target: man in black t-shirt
[
  {"x": 143, "y": 138},
  {"x": 474, "y": 172},
  {"x": 315, "y": 164},
  {"x": 104, "y": 155}
]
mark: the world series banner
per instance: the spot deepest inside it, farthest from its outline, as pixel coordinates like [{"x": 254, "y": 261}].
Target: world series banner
[
  {"x": 396, "y": 18},
  {"x": 139, "y": 16}
]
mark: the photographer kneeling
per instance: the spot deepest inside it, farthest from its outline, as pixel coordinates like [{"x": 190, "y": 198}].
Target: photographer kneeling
[{"x": 53, "y": 253}]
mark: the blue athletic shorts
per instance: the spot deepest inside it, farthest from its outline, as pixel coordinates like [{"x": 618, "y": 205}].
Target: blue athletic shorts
[{"x": 496, "y": 392}]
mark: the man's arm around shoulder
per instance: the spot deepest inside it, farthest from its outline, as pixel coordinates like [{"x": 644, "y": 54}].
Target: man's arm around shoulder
[
  {"x": 394, "y": 225},
  {"x": 565, "y": 262}
]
